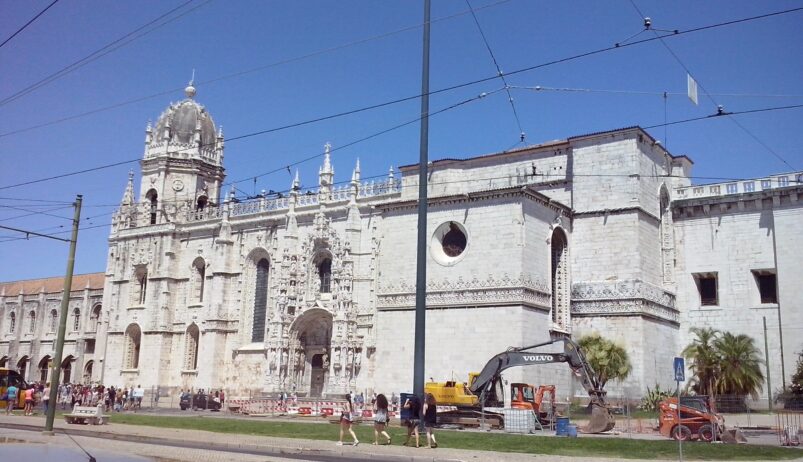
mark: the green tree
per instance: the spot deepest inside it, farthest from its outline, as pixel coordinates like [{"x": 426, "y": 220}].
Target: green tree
[
  {"x": 740, "y": 365},
  {"x": 704, "y": 359},
  {"x": 796, "y": 387},
  {"x": 609, "y": 360}
]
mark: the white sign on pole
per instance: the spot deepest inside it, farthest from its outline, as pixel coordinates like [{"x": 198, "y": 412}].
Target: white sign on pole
[{"x": 691, "y": 85}]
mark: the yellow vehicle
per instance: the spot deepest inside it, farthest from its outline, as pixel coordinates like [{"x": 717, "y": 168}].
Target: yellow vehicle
[
  {"x": 10, "y": 377},
  {"x": 452, "y": 393}
]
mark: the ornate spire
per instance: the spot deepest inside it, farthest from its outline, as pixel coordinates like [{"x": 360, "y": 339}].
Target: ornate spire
[
  {"x": 128, "y": 195},
  {"x": 326, "y": 173}
]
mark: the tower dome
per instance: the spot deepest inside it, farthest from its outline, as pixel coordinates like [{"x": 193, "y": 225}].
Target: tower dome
[{"x": 186, "y": 122}]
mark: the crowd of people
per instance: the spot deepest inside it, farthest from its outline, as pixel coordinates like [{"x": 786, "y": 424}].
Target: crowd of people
[{"x": 71, "y": 394}]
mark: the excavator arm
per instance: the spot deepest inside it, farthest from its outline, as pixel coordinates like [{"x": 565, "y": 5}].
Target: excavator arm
[{"x": 601, "y": 417}]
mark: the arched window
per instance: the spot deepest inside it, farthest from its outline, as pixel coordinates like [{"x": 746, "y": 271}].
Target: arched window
[
  {"x": 43, "y": 369},
  {"x": 22, "y": 367},
  {"x": 325, "y": 275},
  {"x": 3, "y": 361},
  {"x": 66, "y": 369},
  {"x": 94, "y": 318},
  {"x": 153, "y": 198},
  {"x": 560, "y": 280},
  {"x": 54, "y": 319},
  {"x": 201, "y": 203},
  {"x": 133, "y": 337},
  {"x": 88, "y": 371},
  {"x": 31, "y": 322},
  {"x": 141, "y": 288},
  {"x": 12, "y": 322},
  {"x": 199, "y": 279},
  {"x": 260, "y": 300},
  {"x": 191, "y": 348},
  {"x": 76, "y": 320}
]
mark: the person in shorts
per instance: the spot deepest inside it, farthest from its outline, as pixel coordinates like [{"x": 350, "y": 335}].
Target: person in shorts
[
  {"x": 346, "y": 419},
  {"x": 429, "y": 414},
  {"x": 381, "y": 418},
  {"x": 11, "y": 398},
  {"x": 29, "y": 400},
  {"x": 414, "y": 405}
]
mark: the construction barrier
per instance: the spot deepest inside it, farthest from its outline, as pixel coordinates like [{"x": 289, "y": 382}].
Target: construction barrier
[{"x": 307, "y": 408}]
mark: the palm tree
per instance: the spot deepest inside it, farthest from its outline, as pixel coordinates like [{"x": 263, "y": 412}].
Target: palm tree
[
  {"x": 704, "y": 357},
  {"x": 740, "y": 366},
  {"x": 609, "y": 360}
]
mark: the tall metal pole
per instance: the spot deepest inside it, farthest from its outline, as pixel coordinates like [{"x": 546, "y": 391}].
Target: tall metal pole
[
  {"x": 767, "y": 364},
  {"x": 65, "y": 301},
  {"x": 421, "y": 254},
  {"x": 778, "y": 299}
]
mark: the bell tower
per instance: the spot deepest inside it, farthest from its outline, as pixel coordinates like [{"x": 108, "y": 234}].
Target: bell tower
[{"x": 183, "y": 160}]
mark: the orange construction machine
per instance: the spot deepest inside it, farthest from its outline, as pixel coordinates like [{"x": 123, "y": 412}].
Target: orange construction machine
[
  {"x": 697, "y": 420},
  {"x": 541, "y": 400}
]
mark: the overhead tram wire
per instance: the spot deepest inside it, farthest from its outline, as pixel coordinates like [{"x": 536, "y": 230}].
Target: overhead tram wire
[
  {"x": 244, "y": 72},
  {"x": 708, "y": 95},
  {"x": 498, "y": 71},
  {"x": 445, "y": 89},
  {"x": 646, "y": 93},
  {"x": 24, "y": 26},
  {"x": 103, "y": 51},
  {"x": 35, "y": 212},
  {"x": 474, "y": 82}
]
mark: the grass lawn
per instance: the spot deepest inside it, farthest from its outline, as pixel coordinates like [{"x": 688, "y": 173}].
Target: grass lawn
[{"x": 582, "y": 446}]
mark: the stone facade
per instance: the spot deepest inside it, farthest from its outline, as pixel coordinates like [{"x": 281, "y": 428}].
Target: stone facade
[
  {"x": 29, "y": 320},
  {"x": 314, "y": 290}
]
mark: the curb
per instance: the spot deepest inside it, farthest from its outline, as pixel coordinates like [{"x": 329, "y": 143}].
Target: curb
[{"x": 242, "y": 448}]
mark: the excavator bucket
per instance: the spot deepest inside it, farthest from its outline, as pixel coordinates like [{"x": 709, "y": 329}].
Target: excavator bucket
[
  {"x": 733, "y": 436},
  {"x": 601, "y": 420}
]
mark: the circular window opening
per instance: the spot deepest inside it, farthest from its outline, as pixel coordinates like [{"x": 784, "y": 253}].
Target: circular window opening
[{"x": 449, "y": 243}]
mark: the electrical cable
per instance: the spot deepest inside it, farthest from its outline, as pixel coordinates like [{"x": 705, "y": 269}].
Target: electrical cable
[
  {"x": 103, "y": 51},
  {"x": 453, "y": 87},
  {"x": 27, "y": 23},
  {"x": 35, "y": 212},
  {"x": 474, "y": 82},
  {"x": 498, "y": 71},
  {"x": 244, "y": 72},
  {"x": 650, "y": 93},
  {"x": 707, "y": 94}
]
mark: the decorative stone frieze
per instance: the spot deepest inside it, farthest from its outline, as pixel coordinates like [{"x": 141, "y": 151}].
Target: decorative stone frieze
[{"x": 618, "y": 298}]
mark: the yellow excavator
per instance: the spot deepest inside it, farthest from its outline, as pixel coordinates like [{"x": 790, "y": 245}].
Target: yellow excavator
[{"x": 485, "y": 384}]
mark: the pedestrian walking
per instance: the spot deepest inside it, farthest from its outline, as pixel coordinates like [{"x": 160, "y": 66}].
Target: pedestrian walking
[
  {"x": 346, "y": 419},
  {"x": 430, "y": 418},
  {"x": 29, "y": 401},
  {"x": 380, "y": 418},
  {"x": 46, "y": 397},
  {"x": 413, "y": 404},
  {"x": 11, "y": 398}
]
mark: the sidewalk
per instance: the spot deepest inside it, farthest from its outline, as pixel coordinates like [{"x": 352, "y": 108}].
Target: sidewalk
[{"x": 197, "y": 446}]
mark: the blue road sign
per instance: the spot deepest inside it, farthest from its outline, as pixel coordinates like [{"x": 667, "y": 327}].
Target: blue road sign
[{"x": 680, "y": 370}]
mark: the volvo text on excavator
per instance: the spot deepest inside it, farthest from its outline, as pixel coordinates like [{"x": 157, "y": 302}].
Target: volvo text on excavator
[{"x": 601, "y": 419}]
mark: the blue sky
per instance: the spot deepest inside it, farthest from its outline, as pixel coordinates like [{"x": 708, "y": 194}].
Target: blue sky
[{"x": 374, "y": 56}]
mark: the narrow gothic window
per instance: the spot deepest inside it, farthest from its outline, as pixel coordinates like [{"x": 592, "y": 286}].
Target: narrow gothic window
[
  {"x": 31, "y": 322},
  {"x": 200, "y": 279},
  {"x": 132, "y": 345},
  {"x": 191, "y": 348},
  {"x": 560, "y": 279},
  {"x": 76, "y": 319},
  {"x": 153, "y": 198},
  {"x": 12, "y": 322},
  {"x": 54, "y": 318},
  {"x": 142, "y": 280},
  {"x": 95, "y": 318},
  {"x": 260, "y": 300},
  {"x": 325, "y": 274}
]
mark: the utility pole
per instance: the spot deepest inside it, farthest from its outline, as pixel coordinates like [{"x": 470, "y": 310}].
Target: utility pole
[
  {"x": 767, "y": 364},
  {"x": 65, "y": 301},
  {"x": 421, "y": 254}
]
